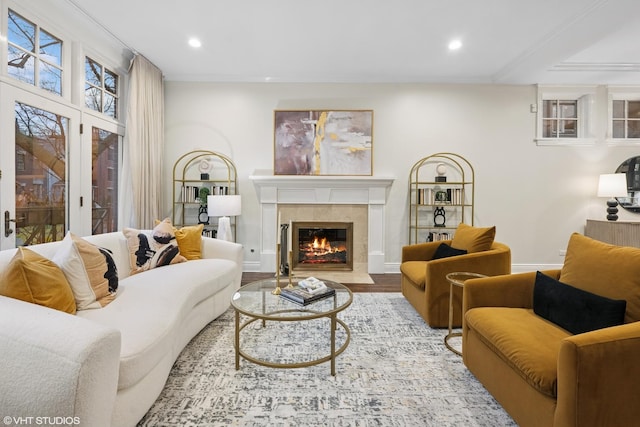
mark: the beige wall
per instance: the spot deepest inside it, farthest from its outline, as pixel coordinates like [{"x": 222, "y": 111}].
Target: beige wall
[{"x": 536, "y": 196}]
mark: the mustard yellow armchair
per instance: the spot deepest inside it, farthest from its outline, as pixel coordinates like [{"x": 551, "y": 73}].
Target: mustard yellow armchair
[
  {"x": 543, "y": 374},
  {"x": 424, "y": 283}
]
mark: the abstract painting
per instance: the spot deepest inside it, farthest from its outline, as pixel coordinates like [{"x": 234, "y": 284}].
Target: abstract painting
[{"x": 323, "y": 142}]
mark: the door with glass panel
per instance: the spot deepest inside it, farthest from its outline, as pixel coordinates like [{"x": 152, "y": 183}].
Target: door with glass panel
[
  {"x": 105, "y": 140},
  {"x": 36, "y": 171}
]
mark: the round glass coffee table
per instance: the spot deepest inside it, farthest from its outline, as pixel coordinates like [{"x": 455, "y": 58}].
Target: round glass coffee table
[
  {"x": 256, "y": 301},
  {"x": 456, "y": 279}
]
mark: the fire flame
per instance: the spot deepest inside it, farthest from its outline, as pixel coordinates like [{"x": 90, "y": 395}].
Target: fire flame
[
  {"x": 321, "y": 244},
  {"x": 319, "y": 247}
]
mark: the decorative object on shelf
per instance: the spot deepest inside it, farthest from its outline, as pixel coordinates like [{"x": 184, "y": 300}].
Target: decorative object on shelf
[
  {"x": 612, "y": 185},
  {"x": 441, "y": 196},
  {"x": 441, "y": 169},
  {"x": 439, "y": 217},
  {"x": 205, "y": 167},
  {"x": 323, "y": 142},
  {"x": 224, "y": 206},
  {"x": 437, "y": 182},
  {"x": 203, "y": 215}
]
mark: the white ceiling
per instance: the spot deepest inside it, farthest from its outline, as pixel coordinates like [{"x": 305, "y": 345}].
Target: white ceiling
[{"x": 504, "y": 41}]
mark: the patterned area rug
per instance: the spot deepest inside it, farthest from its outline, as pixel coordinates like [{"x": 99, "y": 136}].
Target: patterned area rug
[{"x": 396, "y": 371}]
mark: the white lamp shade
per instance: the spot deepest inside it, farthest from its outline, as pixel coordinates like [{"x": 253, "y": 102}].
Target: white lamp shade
[
  {"x": 612, "y": 185},
  {"x": 224, "y": 205}
]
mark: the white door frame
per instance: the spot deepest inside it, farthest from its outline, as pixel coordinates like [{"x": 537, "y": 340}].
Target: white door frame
[
  {"x": 9, "y": 95},
  {"x": 90, "y": 121}
]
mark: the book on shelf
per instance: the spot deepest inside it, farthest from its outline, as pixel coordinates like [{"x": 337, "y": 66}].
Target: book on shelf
[
  {"x": 436, "y": 237},
  {"x": 191, "y": 193},
  {"x": 302, "y": 296}
]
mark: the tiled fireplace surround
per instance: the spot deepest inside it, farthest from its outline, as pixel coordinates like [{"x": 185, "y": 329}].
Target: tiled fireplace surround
[{"x": 357, "y": 199}]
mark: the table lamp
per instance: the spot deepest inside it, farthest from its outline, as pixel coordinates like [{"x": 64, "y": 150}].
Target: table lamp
[
  {"x": 612, "y": 185},
  {"x": 224, "y": 206}
]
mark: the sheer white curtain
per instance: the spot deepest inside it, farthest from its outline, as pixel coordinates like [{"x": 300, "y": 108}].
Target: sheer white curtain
[{"x": 144, "y": 139}]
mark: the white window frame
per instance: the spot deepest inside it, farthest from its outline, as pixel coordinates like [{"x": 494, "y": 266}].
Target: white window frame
[
  {"x": 74, "y": 50},
  {"x": 585, "y": 95},
  {"x": 66, "y": 65},
  {"x": 102, "y": 89},
  {"x": 620, "y": 93}
]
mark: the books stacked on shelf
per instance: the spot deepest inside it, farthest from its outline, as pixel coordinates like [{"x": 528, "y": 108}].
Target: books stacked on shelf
[
  {"x": 219, "y": 190},
  {"x": 430, "y": 196},
  {"x": 209, "y": 232},
  {"x": 424, "y": 196},
  {"x": 191, "y": 193},
  {"x": 307, "y": 291},
  {"x": 436, "y": 237},
  {"x": 456, "y": 196}
]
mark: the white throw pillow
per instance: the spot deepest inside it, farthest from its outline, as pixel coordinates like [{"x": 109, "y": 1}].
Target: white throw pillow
[{"x": 90, "y": 270}]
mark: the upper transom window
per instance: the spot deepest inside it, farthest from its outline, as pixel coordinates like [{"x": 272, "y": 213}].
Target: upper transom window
[
  {"x": 625, "y": 119},
  {"x": 34, "y": 55},
  {"x": 565, "y": 115},
  {"x": 560, "y": 118},
  {"x": 101, "y": 88}
]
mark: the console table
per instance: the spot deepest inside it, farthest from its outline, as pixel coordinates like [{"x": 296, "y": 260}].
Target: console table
[{"x": 622, "y": 233}]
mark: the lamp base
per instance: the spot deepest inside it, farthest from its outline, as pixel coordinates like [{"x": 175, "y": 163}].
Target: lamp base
[
  {"x": 224, "y": 229},
  {"x": 612, "y": 210}
]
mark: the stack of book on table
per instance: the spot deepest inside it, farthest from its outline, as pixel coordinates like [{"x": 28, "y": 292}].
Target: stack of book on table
[{"x": 307, "y": 291}]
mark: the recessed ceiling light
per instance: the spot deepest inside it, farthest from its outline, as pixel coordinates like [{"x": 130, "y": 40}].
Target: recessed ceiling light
[
  {"x": 455, "y": 44},
  {"x": 194, "y": 42}
]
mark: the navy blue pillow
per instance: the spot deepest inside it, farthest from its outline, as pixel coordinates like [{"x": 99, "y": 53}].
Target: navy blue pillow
[
  {"x": 445, "y": 251},
  {"x": 574, "y": 309}
]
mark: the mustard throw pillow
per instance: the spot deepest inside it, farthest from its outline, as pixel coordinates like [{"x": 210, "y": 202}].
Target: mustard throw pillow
[
  {"x": 33, "y": 278},
  {"x": 189, "y": 240},
  {"x": 608, "y": 270},
  {"x": 151, "y": 249},
  {"x": 90, "y": 270},
  {"x": 473, "y": 239}
]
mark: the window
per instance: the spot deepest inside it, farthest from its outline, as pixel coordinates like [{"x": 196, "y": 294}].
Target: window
[
  {"x": 560, "y": 119},
  {"x": 101, "y": 88},
  {"x": 34, "y": 55},
  {"x": 626, "y": 119},
  {"x": 565, "y": 115},
  {"x": 624, "y": 115},
  {"x": 20, "y": 161}
]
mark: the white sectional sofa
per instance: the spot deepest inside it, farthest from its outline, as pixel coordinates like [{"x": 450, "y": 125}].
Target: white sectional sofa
[{"x": 107, "y": 366}]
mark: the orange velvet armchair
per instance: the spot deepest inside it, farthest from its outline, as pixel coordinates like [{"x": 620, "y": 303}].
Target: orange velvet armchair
[{"x": 423, "y": 280}]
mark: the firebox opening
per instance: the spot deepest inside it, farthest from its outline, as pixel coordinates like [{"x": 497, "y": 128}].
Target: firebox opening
[{"x": 322, "y": 245}]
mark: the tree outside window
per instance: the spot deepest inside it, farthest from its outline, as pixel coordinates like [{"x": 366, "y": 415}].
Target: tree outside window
[{"x": 34, "y": 55}]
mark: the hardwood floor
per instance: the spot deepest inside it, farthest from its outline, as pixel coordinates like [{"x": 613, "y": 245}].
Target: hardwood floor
[{"x": 382, "y": 282}]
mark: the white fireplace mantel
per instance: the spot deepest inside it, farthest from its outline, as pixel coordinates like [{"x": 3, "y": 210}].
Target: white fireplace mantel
[{"x": 273, "y": 190}]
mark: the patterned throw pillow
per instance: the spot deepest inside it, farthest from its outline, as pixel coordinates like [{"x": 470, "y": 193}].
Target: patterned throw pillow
[
  {"x": 151, "y": 249},
  {"x": 33, "y": 278},
  {"x": 189, "y": 240},
  {"x": 90, "y": 270}
]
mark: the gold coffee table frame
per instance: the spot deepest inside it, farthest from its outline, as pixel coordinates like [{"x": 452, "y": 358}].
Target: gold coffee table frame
[
  {"x": 256, "y": 301},
  {"x": 456, "y": 279}
]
